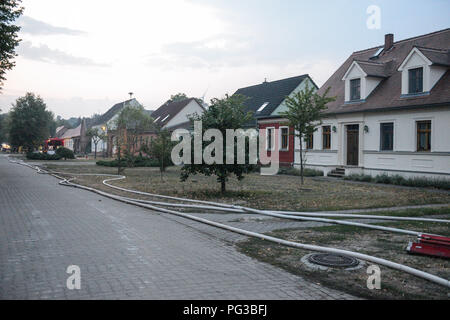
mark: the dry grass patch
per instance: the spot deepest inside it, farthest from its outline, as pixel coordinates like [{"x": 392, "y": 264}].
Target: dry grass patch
[{"x": 265, "y": 192}]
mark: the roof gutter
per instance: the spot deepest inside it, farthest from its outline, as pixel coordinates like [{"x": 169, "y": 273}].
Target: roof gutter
[{"x": 441, "y": 104}]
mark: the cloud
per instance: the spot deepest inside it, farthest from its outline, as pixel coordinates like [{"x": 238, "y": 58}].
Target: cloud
[
  {"x": 45, "y": 54},
  {"x": 218, "y": 51},
  {"x": 36, "y": 27}
]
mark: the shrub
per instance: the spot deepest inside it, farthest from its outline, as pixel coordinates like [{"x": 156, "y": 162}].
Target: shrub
[
  {"x": 65, "y": 153},
  {"x": 418, "y": 182},
  {"x": 42, "y": 156},
  {"x": 138, "y": 161},
  {"x": 296, "y": 172},
  {"x": 359, "y": 177},
  {"x": 383, "y": 178}
]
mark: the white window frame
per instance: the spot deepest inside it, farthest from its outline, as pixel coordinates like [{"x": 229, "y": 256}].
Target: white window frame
[
  {"x": 280, "y": 139},
  {"x": 273, "y": 139}
]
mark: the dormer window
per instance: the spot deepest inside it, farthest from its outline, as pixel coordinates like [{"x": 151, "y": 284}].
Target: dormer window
[
  {"x": 355, "y": 89},
  {"x": 361, "y": 78},
  {"x": 422, "y": 69},
  {"x": 415, "y": 80}
]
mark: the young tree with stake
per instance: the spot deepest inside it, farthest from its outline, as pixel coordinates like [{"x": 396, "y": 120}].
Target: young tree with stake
[{"x": 304, "y": 115}]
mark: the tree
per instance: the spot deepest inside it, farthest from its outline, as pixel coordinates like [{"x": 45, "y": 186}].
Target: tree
[
  {"x": 223, "y": 114},
  {"x": 4, "y": 127},
  {"x": 160, "y": 149},
  {"x": 30, "y": 122},
  {"x": 304, "y": 115},
  {"x": 177, "y": 97},
  {"x": 132, "y": 121},
  {"x": 96, "y": 136},
  {"x": 9, "y": 12}
]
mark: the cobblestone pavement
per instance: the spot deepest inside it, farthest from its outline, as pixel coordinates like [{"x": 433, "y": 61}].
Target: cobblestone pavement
[{"x": 124, "y": 252}]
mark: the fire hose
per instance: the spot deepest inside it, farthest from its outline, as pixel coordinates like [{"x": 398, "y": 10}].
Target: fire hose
[{"x": 219, "y": 206}]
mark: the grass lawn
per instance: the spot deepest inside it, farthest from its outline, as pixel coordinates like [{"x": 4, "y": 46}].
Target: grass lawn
[
  {"x": 280, "y": 192},
  {"x": 394, "y": 284}
]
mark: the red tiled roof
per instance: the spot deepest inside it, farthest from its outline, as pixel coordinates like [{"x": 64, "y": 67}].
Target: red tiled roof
[{"x": 387, "y": 95}]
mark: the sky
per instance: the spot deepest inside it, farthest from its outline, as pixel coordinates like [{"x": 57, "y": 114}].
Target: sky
[{"x": 83, "y": 56}]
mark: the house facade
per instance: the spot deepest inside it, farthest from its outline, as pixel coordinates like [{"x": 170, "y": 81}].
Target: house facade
[
  {"x": 391, "y": 114},
  {"x": 107, "y": 121},
  {"x": 74, "y": 139},
  {"x": 266, "y": 101},
  {"x": 170, "y": 116}
]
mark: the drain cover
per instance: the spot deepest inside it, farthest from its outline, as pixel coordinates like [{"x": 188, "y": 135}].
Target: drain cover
[{"x": 333, "y": 260}]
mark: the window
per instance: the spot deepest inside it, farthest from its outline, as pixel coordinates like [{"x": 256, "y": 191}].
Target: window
[
  {"x": 355, "y": 89},
  {"x": 424, "y": 135},
  {"x": 263, "y": 106},
  {"x": 310, "y": 141},
  {"x": 415, "y": 80},
  {"x": 284, "y": 138},
  {"x": 387, "y": 136},
  {"x": 270, "y": 139},
  {"x": 326, "y": 137}
]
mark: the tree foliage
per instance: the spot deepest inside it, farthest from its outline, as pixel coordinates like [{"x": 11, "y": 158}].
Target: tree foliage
[
  {"x": 131, "y": 122},
  {"x": 304, "y": 113},
  {"x": 96, "y": 136},
  {"x": 223, "y": 114},
  {"x": 10, "y": 10},
  {"x": 65, "y": 153},
  {"x": 30, "y": 122},
  {"x": 177, "y": 97},
  {"x": 4, "y": 127},
  {"x": 160, "y": 149}
]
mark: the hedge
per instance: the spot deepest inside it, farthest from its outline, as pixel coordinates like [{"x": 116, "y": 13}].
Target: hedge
[
  {"x": 42, "y": 156},
  {"x": 307, "y": 172},
  {"x": 135, "y": 162},
  {"x": 401, "y": 181}
]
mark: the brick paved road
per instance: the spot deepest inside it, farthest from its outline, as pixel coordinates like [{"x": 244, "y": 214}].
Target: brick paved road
[{"x": 124, "y": 252}]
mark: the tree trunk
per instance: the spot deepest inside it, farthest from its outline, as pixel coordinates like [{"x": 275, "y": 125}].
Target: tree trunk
[
  {"x": 301, "y": 162},
  {"x": 95, "y": 152},
  {"x": 223, "y": 188},
  {"x": 161, "y": 169}
]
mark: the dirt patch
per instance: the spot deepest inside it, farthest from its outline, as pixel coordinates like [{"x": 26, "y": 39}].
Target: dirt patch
[{"x": 394, "y": 284}]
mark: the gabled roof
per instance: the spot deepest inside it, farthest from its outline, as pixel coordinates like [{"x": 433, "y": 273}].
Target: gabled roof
[
  {"x": 375, "y": 69},
  {"x": 108, "y": 115},
  {"x": 72, "y": 133},
  {"x": 273, "y": 93},
  {"x": 438, "y": 57},
  {"x": 387, "y": 95},
  {"x": 60, "y": 131},
  {"x": 168, "y": 111}
]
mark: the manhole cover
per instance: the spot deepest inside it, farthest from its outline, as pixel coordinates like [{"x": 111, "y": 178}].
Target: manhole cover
[{"x": 333, "y": 260}]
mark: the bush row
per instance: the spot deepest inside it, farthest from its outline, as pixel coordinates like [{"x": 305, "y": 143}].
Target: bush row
[
  {"x": 60, "y": 154},
  {"x": 42, "y": 156},
  {"x": 296, "y": 172},
  {"x": 138, "y": 161},
  {"x": 401, "y": 181}
]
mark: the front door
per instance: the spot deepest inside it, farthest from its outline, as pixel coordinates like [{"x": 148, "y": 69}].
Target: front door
[{"x": 352, "y": 145}]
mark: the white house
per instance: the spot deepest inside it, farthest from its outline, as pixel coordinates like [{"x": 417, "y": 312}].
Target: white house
[
  {"x": 392, "y": 111},
  {"x": 173, "y": 115},
  {"x": 107, "y": 121}
]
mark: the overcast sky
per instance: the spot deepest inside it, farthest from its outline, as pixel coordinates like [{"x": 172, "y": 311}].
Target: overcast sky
[{"x": 83, "y": 56}]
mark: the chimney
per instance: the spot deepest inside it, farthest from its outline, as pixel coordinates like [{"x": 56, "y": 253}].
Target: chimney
[{"x": 388, "y": 41}]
